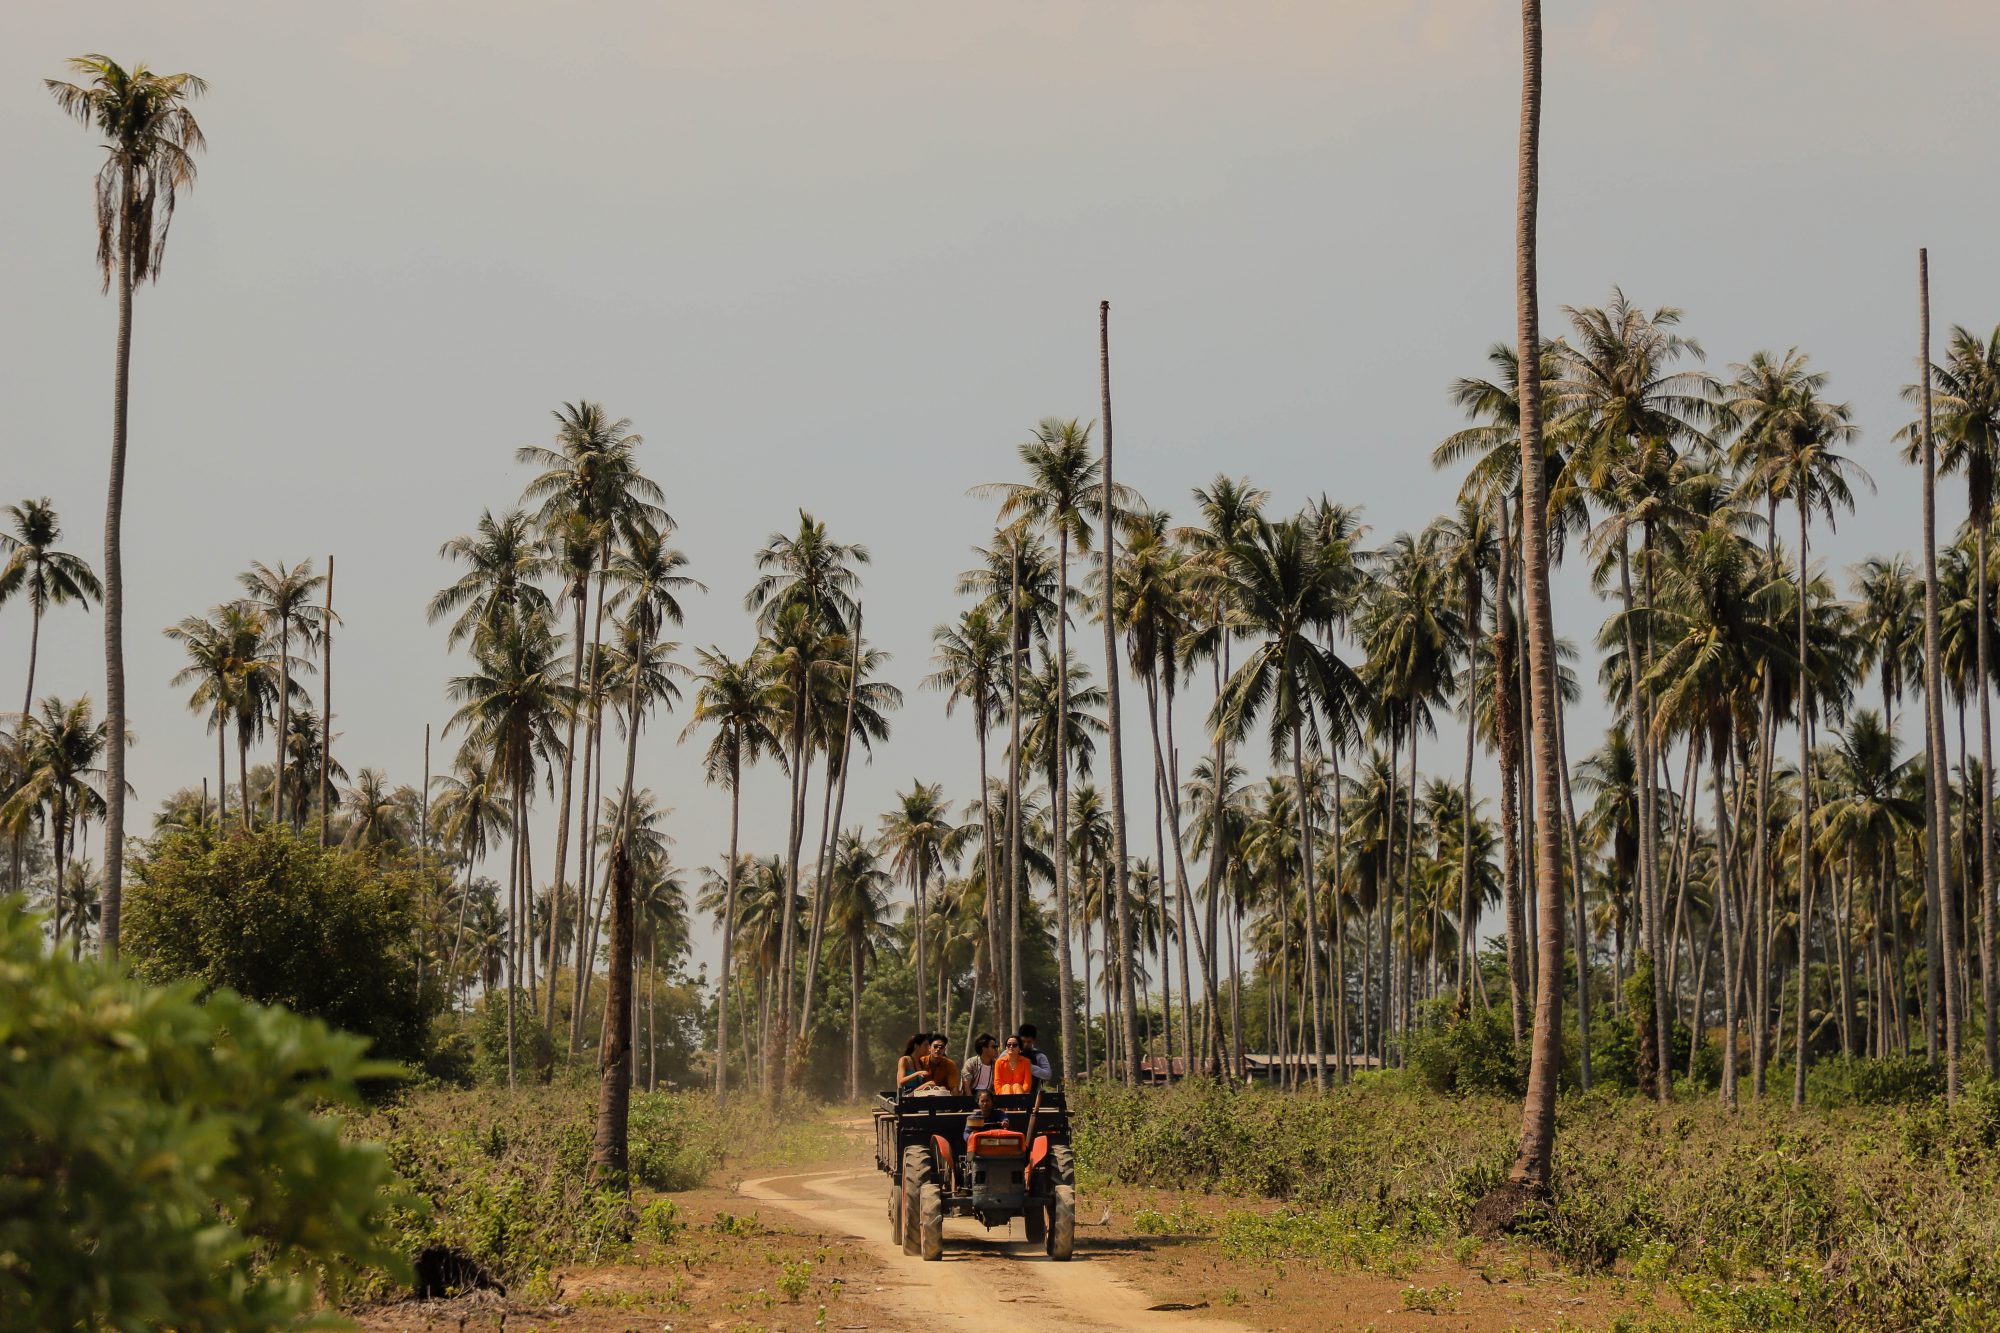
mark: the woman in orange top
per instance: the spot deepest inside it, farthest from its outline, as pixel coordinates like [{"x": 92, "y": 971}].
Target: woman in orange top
[{"x": 1012, "y": 1073}]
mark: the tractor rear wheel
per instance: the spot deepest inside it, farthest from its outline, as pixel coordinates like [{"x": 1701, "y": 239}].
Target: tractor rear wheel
[
  {"x": 1062, "y": 1222},
  {"x": 916, "y": 1175},
  {"x": 895, "y": 1210},
  {"x": 930, "y": 1221},
  {"x": 1035, "y": 1218}
]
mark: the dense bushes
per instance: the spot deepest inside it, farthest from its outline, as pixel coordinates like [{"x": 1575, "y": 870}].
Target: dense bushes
[
  {"x": 280, "y": 920},
  {"x": 503, "y": 1178},
  {"x": 1859, "y": 1218},
  {"x": 163, "y": 1162},
  {"x": 1472, "y": 1051}
]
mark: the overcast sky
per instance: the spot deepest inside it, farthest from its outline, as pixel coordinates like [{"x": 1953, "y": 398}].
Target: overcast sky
[{"x": 844, "y": 256}]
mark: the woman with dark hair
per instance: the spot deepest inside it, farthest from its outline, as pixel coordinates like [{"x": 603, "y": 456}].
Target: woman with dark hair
[{"x": 911, "y": 1069}]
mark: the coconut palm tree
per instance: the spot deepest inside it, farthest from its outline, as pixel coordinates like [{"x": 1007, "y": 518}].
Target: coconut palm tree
[
  {"x": 504, "y": 562},
  {"x": 856, "y": 908},
  {"x": 472, "y": 811},
  {"x": 34, "y": 569},
  {"x": 741, "y": 700},
  {"x": 1107, "y": 511},
  {"x": 509, "y": 706},
  {"x": 1891, "y": 600},
  {"x": 1789, "y": 441},
  {"x": 1286, "y": 590},
  {"x": 1530, "y": 1172},
  {"x": 920, "y": 841},
  {"x": 1468, "y": 552},
  {"x": 1065, "y": 475},
  {"x": 150, "y": 142},
  {"x": 374, "y": 818},
  {"x": 283, "y": 596},
  {"x": 646, "y": 573},
  {"x": 970, "y": 657},
  {"x": 61, "y": 780},
  {"x": 1966, "y": 399}
]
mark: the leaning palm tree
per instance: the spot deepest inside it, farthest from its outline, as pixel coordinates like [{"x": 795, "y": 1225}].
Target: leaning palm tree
[
  {"x": 740, "y": 699},
  {"x": 151, "y": 139},
  {"x": 284, "y": 597},
  {"x": 45, "y": 576},
  {"x": 1310, "y": 695}
]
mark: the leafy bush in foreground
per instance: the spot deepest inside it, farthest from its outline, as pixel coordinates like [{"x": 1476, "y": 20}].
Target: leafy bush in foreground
[
  {"x": 1865, "y": 1217},
  {"x": 163, "y": 1161}
]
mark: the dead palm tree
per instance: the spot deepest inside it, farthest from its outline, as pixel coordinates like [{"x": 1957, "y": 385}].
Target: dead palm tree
[{"x": 150, "y": 142}]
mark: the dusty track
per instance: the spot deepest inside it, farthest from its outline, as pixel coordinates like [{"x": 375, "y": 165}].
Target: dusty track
[{"x": 988, "y": 1281}]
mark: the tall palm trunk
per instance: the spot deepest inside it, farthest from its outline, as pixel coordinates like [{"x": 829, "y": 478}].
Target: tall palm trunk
[
  {"x": 325, "y": 708},
  {"x": 586, "y": 823},
  {"x": 114, "y": 583},
  {"x": 284, "y": 719},
  {"x": 1804, "y": 930},
  {"x": 579, "y": 596},
  {"x": 776, "y": 1051},
  {"x": 854, "y": 943},
  {"x": 837, "y": 789},
  {"x": 1017, "y": 644},
  {"x": 728, "y": 921},
  {"x": 1152, "y": 684},
  {"x": 1065, "y": 980},
  {"x": 1113, "y": 719},
  {"x": 1940, "y": 856},
  {"x": 990, "y": 908},
  {"x": 1982, "y": 522},
  {"x": 1647, "y": 865},
  {"x": 1312, "y": 908},
  {"x": 1538, "y": 1115},
  {"x": 1190, "y": 925},
  {"x": 917, "y": 929},
  {"x": 1507, "y": 725},
  {"x": 608, "y": 1158}
]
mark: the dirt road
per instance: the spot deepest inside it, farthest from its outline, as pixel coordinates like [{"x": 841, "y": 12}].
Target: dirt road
[{"x": 988, "y": 1281}]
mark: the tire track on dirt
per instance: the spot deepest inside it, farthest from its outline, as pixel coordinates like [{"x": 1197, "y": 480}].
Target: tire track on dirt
[{"x": 988, "y": 1281}]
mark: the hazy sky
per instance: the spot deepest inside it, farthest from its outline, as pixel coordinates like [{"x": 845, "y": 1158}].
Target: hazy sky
[{"x": 844, "y": 256}]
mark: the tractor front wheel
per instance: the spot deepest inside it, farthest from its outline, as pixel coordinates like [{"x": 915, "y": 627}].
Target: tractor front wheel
[{"x": 1062, "y": 1223}]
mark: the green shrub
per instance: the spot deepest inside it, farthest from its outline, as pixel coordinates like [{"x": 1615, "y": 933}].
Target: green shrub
[
  {"x": 1899, "y": 1080},
  {"x": 164, "y": 1162},
  {"x": 1470, "y": 1051},
  {"x": 277, "y": 919}
]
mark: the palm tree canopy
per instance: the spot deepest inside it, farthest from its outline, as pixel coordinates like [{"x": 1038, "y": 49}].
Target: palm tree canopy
[{"x": 34, "y": 568}]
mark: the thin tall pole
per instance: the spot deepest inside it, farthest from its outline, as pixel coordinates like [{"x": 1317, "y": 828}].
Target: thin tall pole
[
  {"x": 1107, "y": 517},
  {"x": 325, "y": 700}
]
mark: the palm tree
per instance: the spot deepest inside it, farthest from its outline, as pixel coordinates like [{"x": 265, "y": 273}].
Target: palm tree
[
  {"x": 151, "y": 139},
  {"x": 920, "y": 840},
  {"x": 1890, "y": 597},
  {"x": 589, "y": 485},
  {"x": 856, "y": 903},
  {"x": 60, "y": 778},
  {"x": 1468, "y": 550},
  {"x": 284, "y": 597},
  {"x": 1966, "y": 398},
  {"x": 213, "y": 645},
  {"x": 1944, "y": 934},
  {"x": 1789, "y": 437},
  {"x": 503, "y": 563},
  {"x": 1106, "y": 517},
  {"x": 647, "y": 574},
  {"x": 1063, "y": 475},
  {"x": 471, "y": 811},
  {"x": 375, "y": 817},
  {"x": 1538, "y": 1111},
  {"x": 742, "y": 701},
  {"x": 45, "y": 576},
  {"x": 508, "y": 707},
  {"x": 1285, "y": 593},
  {"x": 969, "y": 658}
]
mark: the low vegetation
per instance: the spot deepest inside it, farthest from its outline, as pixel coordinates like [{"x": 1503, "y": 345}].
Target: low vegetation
[{"x": 1875, "y": 1217}]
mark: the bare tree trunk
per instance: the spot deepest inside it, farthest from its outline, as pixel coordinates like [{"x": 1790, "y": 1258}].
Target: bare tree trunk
[
  {"x": 1940, "y": 855},
  {"x": 608, "y": 1159},
  {"x": 1538, "y": 1114},
  {"x": 325, "y": 708},
  {"x": 728, "y": 926},
  {"x": 1065, "y": 980},
  {"x": 828, "y": 843},
  {"x": 114, "y": 586},
  {"x": 1112, "y": 715},
  {"x": 580, "y": 596},
  {"x": 1016, "y": 645},
  {"x": 1805, "y": 825},
  {"x": 1507, "y": 722},
  {"x": 1989, "y": 905},
  {"x": 1312, "y": 909}
]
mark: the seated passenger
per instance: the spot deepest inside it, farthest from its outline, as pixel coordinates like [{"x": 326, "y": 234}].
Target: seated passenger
[
  {"x": 978, "y": 1075},
  {"x": 910, "y": 1073},
  {"x": 1012, "y": 1073},
  {"x": 940, "y": 1071}
]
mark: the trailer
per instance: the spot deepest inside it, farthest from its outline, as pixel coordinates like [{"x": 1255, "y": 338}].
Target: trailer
[{"x": 1021, "y": 1165}]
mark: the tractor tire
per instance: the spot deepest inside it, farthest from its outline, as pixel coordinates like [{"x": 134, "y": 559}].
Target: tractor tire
[
  {"x": 1062, "y": 1166},
  {"x": 895, "y": 1210},
  {"x": 1035, "y": 1218},
  {"x": 930, "y": 1221},
  {"x": 1062, "y": 1223},
  {"x": 916, "y": 1175}
]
